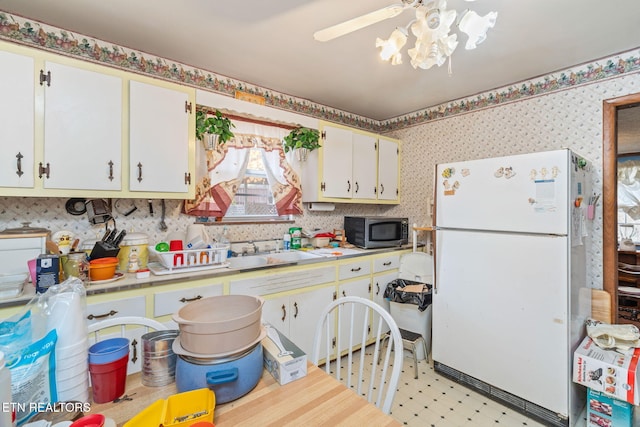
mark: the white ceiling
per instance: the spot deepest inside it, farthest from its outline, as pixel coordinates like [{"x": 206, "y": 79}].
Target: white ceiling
[{"x": 270, "y": 44}]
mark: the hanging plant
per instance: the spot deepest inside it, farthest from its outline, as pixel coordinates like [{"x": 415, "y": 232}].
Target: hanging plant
[
  {"x": 302, "y": 137},
  {"x": 213, "y": 125}
]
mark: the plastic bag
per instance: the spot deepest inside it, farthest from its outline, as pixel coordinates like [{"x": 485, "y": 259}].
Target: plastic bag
[
  {"x": 29, "y": 340},
  {"x": 394, "y": 292}
]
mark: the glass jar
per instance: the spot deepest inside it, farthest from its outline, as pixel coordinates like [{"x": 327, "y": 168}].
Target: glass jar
[{"x": 76, "y": 265}]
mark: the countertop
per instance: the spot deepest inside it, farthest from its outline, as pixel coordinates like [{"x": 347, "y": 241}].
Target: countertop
[{"x": 129, "y": 280}]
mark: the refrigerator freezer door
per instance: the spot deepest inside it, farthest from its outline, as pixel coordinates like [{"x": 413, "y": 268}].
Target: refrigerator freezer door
[
  {"x": 500, "y": 312},
  {"x": 522, "y": 193}
]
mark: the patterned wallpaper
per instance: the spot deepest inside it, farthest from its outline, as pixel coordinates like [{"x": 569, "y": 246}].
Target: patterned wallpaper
[{"x": 550, "y": 112}]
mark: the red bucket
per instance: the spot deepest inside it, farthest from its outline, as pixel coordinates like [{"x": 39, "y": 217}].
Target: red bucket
[{"x": 108, "y": 379}]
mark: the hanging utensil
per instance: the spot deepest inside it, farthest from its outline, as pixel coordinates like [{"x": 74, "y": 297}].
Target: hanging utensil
[{"x": 163, "y": 208}]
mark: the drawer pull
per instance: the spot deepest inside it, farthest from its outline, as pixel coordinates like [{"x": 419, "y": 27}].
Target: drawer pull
[
  {"x": 295, "y": 305},
  {"x": 139, "y": 165},
  {"x": 386, "y": 263},
  {"x": 344, "y": 294},
  {"x": 284, "y": 312},
  {"x": 356, "y": 269},
  {"x": 378, "y": 288},
  {"x": 196, "y": 298},
  {"x": 134, "y": 346},
  {"x": 110, "y": 170},
  {"x": 102, "y": 316}
]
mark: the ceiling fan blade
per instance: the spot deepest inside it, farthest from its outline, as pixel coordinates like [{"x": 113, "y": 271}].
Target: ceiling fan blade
[{"x": 354, "y": 24}]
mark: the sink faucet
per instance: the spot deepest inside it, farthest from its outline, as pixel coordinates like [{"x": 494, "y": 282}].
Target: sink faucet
[{"x": 245, "y": 249}]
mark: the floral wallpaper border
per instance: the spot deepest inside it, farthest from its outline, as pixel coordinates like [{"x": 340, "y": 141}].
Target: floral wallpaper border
[{"x": 35, "y": 34}]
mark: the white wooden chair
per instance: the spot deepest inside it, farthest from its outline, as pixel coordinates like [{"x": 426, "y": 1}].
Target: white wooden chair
[
  {"x": 345, "y": 314},
  {"x": 124, "y": 321}
]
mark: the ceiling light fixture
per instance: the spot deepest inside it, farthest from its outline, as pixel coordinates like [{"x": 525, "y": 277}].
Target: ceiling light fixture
[{"x": 431, "y": 28}]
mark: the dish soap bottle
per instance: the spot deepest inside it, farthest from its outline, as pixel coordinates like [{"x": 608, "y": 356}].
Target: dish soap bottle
[{"x": 286, "y": 242}]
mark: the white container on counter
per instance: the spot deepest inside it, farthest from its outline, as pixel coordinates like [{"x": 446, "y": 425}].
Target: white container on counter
[
  {"x": 19, "y": 245},
  {"x": 134, "y": 252}
]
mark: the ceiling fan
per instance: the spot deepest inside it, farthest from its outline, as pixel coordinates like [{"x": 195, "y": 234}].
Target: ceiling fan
[{"x": 431, "y": 28}]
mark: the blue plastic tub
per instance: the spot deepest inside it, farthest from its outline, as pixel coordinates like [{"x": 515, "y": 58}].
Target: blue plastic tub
[{"x": 108, "y": 351}]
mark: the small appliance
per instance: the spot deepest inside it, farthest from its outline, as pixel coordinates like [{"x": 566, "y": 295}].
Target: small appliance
[{"x": 370, "y": 232}]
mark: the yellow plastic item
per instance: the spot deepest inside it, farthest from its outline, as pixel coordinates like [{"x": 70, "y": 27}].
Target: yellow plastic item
[{"x": 179, "y": 410}]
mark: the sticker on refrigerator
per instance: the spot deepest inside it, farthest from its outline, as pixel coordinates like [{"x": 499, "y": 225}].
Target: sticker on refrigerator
[
  {"x": 449, "y": 188},
  {"x": 545, "y": 198}
]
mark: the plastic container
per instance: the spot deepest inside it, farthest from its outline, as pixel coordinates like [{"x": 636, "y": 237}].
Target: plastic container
[
  {"x": 109, "y": 350},
  {"x": 214, "y": 256},
  {"x": 93, "y": 420},
  {"x": 102, "y": 268},
  {"x": 11, "y": 286},
  {"x": 286, "y": 242},
  {"x": 296, "y": 237},
  {"x": 108, "y": 379},
  {"x": 7, "y": 418},
  {"x": 134, "y": 249},
  {"x": 168, "y": 412}
]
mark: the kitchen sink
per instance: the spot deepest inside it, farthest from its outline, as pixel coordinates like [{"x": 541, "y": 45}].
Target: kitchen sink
[{"x": 255, "y": 261}]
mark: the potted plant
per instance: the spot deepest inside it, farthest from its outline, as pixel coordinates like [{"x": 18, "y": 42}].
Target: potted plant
[
  {"x": 212, "y": 130},
  {"x": 302, "y": 140}
]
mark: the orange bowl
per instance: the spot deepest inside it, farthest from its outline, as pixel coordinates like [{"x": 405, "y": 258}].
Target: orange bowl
[{"x": 102, "y": 268}]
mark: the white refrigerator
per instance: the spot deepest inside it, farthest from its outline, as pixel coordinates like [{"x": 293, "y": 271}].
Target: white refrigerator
[{"x": 510, "y": 296}]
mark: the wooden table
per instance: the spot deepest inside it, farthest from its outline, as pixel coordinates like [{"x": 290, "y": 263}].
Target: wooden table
[{"x": 315, "y": 400}]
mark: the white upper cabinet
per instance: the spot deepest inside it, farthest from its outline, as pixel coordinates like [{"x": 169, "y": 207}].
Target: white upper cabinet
[
  {"x": 351, "y": 168},
  {"x": 82, "y": 129},
  {"x": 388, "y": 169},
  {"x": 365, "y": 158},
  {"x": 159, "y": 146},
  {"x": 17, "y": 112},
  {"x": 337, "y": 160}
]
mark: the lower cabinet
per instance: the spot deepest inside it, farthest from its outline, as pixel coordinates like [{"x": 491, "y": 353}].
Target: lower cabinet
[
  {"x": 297, "y": 315},
  {"x": 359, "y": 288}
]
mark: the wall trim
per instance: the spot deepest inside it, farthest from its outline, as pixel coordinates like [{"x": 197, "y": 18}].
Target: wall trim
[{"x": 16, "y": 29}]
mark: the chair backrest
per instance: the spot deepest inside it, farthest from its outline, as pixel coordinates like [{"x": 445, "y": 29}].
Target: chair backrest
[
  {"x": 351, "y": 316},
  {"x": 416, "y": 266}
]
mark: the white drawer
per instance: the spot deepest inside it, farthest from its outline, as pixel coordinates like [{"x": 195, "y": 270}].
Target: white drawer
[
  {"x": 117, "y": 308},
  {"x": 273, "y": 283},
  {"x": 170, "y": 302},
  {"x": 385, "y": 263},
  {"x": 354, "y": 269}
]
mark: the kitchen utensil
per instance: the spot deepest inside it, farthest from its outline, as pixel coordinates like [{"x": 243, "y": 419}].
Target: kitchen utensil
[
  {"x": 102, "y": 268},
  {"x": 150, "y": 207},
  {"x": 219, "y": 324},
  {"x": 53, "y": 247},
  {"x": 601, "y": 306},
  {"x": 163, "y": 208},
  {"x": 275, "y": 337},
  {"x": 230, "y": 378},
  {"x": 119, "y": 238},
  {"x": 134, "y": 249},
  {"x": 158, "y": 358},
  {"x": 98, "y": 211}
]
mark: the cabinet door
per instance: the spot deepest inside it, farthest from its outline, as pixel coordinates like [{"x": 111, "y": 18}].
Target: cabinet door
[
  {"x": 305, "y": 309},
  {"x": 388, "y": 168},
  {"x": 276, "y": 312},
  {"x": 17, "y": 112},
  {"x": 380, "y": 282},
  {"x": 82, "y": 129},
  {"x": 360, "y": 288},
  {"x": 365, "y": 159},
  {"x": 159, "y": 139},
  {"x": 337, "y": 163}
]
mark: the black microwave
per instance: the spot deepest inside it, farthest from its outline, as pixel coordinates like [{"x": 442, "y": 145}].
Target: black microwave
[{"x": 376, "y": 231}]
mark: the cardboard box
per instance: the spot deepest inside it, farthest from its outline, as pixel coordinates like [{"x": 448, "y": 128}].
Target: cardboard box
[
  {"x": 47, "y": 272},
  {"x": 607, "y": 371},
  {"x": 605, "y": 411},
  {"x": 284, "y": 368}
]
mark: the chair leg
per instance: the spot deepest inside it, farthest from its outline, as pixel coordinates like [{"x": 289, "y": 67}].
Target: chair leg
[{"x": 426, "y": 354}]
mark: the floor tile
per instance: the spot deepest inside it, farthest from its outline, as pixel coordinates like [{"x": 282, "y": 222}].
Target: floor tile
[{"x": 433, "y": 400}]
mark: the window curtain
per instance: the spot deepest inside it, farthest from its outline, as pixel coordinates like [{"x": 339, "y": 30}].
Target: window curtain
[
  {"x": 629, "y": 188},
  {"x": 220, "y": 172}
]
